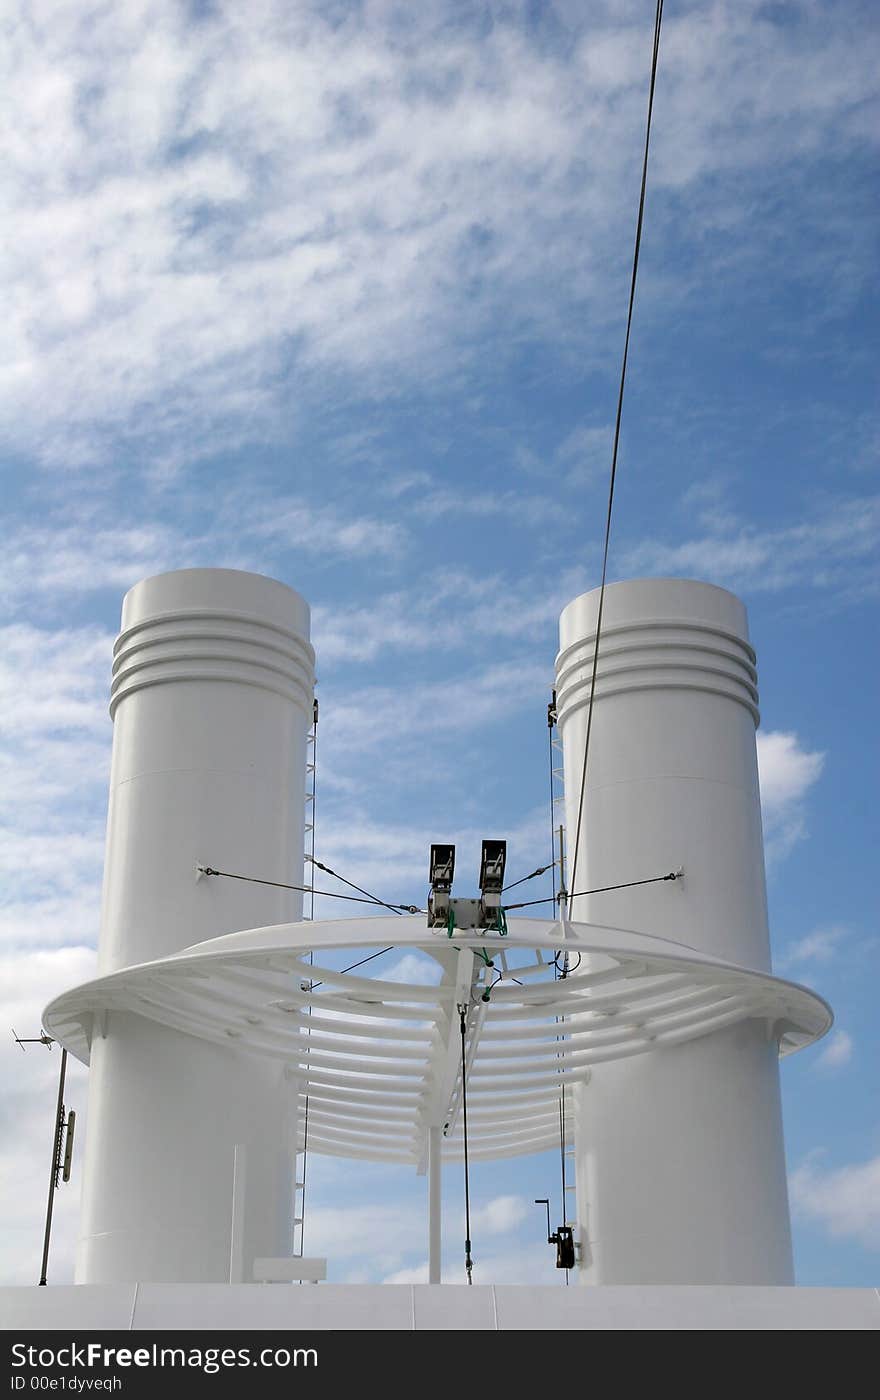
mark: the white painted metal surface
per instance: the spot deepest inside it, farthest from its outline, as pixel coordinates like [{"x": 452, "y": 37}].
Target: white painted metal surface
[
  {"x": 211, "y": 699},
  {"x": 380, "y": 1059},
  {"x": 447, "y": 1308},
  {"x": 679, "y": 1153}
]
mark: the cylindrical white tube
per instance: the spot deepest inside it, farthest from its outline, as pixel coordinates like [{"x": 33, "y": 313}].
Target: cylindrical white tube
[
  {"x": 679, "y": 1154},
  {"x": 211, "y": 701}
]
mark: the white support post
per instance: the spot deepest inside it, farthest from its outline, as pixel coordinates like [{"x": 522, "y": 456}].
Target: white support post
[
  {"x": 446, "y": 1055},
  {"x": 239, "y": 1192},
  {"x": 435, "y": 1183}
]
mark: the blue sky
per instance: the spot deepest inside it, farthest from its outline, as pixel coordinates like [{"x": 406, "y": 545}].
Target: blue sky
[{"x": 336, "y": 292}]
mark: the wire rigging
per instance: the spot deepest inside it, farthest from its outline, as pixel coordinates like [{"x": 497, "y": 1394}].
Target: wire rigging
[
  {"x": 658, "y": 18},
  {"x": 395, "y": 908},
  {"x": 541, "y": 870},
  {"x": 468, "y": 1261},
  {"x": 560, "y": 974},
  {"x": 603, "y": 889},
  {"x": 390, "y": 949},
  {"x": 309, "y": 889}
]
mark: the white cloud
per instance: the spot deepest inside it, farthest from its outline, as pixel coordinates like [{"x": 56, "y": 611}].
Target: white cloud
[
  {"x": 376, "y": 1237},
  {"x": 502, "y": 1214},
  {"x": 417, "y": 1274},
  {"x": 53, "y": 681},
  {"x": 836, "y": 551},
  {"x": 32, "y": 977},
  {"x": 54, "y": 761},
  {"x": 200, "y": 201},
  {"x": 820, "y": 946},
  {"x": 92, "y": 547},
  {"x": 845, "y": 1201},
  {"x": 321, "y": 529},
  {"x": 584, "y": 455},
  {"x": 414, "y": 969},
  {"x": 787, "y": 772},
  {"x": 443, "y": 610},
  {"x": 518, "y": 508},
  {"x": 451, "y": 704},
  {"x": 837, "y": 1053}
]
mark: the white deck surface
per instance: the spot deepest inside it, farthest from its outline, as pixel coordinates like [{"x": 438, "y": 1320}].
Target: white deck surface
[{"x": 404, "y": 1308}]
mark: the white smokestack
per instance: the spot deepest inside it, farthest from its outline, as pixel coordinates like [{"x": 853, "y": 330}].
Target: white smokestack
[
  {"x": 679, "y": 1153},
  {"x": 211, "y": 702}
]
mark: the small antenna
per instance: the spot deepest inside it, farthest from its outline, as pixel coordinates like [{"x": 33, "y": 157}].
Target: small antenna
[
  {"x": 62, "y": 1140},
  {"x": 42, "y": 1039}
]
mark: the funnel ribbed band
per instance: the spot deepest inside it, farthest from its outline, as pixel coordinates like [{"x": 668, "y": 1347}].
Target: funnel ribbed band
[
  {"x": 203, "y": 644},
  {"x": 657, "y": 655}
]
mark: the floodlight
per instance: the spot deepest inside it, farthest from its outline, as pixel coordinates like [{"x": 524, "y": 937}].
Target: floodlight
[
  {"x": 440, "y": 874},
  {"x": 492, "y": 865},
  {"x": 442, "y": 867}
]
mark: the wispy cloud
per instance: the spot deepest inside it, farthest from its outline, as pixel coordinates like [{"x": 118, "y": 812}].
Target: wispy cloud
[
  {"x": 502, "y": 1214},
  {"x": 54, "y": 760},
  {"x": 820, "y": 946},
  {"x": 835, "y": 551},
  {"x": 499, "y": 1217},
  {"x": 448, "y": 608},
  {"x": 466, "y": 701},
  {"x": 376, "y": 1238},
  {"x": 90, "y": 547},
  {"x": 202, "y": 200},
  {"x": 322, "y": 529},
  {"x": 845, "y": 1201},
  {"x": 517, "y": 508},
  {"x": 59, "y": 562},
  {"x": 837, "y": 1053},
  {"x": 53, "y": 680}
]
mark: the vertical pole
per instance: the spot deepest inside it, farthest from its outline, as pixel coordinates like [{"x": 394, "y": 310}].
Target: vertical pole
[
  {"x": 56, "y": 1162},
  {"x": 239, "y": 1187},
  {"x": 435, "y": 1162},
  {"x": 300, "y": 1184}
]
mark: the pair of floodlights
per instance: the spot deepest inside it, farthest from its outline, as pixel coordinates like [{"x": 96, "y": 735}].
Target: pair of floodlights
[{"x": 485, "y": 912}]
